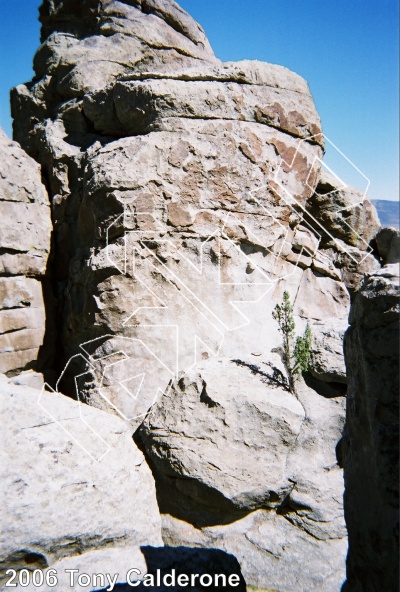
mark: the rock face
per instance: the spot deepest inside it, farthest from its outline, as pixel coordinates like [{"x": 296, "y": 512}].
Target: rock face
[
  {"x": 230, "y": 446},
  {"x": 205, "y": 417},
  {"x": 181, "y": 192},
  {"x": 371, "y": 458},
  {"x": 343, "y": 212},
  {"x": 73, "y": 481},
  {"x": 186, "y": 196},
  {"x": 327, "y": 359},
  {"x": 25, "y": 238},
  {"x": 157, "y": 561},
  {"x": 347, "y": 223},
  {"x": 388, "y": 245}
]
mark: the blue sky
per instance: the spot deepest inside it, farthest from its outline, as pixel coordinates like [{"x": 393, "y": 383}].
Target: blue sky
[{"x": 346, "y": 49}]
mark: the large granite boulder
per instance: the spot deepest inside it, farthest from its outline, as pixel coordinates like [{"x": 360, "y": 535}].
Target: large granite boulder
[
  {"x": 253, "y": 469},
  {"x": 25, "y": 240},
  {"x": 160, "y": 232},
  {"x": 72, "y": 481},
  {"x": 371, "y": 450},
  {"x": 121, "y": 38},
  {"x": 203, "y": 430}
]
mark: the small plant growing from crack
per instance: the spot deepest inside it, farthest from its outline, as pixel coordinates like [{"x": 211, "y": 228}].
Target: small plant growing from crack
[{"x": 296, "y": 351}]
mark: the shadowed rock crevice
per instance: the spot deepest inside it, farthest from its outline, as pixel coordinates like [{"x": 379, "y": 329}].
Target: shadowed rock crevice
[
  {"x": 371, "y": 440},
  {"x": 193, "y": 563},
  {"x": 24, "y": 559},
  {"x": 325, "y": 389}
]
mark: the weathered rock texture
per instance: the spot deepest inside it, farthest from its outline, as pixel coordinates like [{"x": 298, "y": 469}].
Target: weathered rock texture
[
  {"x": 343, "y": 212},
  {"x": 111, "y": 559},
  {"x": 388, "y": 245},
  {"x": 157, "y": 561},
  {"x": 254, "y": 471},
  {"x": 72, "y": 481},
  {"x": 327, "y": 360},
  {"x": 186, "y": 197},
  {"x": 371, "y": 458},
  {"x": 25, "y": 240},
  {"x": 347, "y": 223}
]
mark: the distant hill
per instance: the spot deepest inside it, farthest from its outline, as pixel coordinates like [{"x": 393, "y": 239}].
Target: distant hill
[{"x": 388, "y": 212}]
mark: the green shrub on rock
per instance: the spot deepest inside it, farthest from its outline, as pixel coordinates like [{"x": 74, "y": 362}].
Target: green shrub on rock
[{"x": 296, "y": 352}]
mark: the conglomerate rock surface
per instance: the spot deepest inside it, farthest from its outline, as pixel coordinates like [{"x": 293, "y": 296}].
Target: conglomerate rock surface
[{"x": 186, "y": 196}]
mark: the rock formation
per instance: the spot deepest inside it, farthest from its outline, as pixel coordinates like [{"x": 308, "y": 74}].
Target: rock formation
[
  {"x": 72, "y": 482},
  {"x": 251, "y": 469},
  {"x": 25, "y": 241},
  {"x": 347, "y": 224},
  {"x": 388, "y": 245},
  {"x": 186, "y": 195},
  {"x": 371, "y": 458},
  {"x": 327, "y": 362}
]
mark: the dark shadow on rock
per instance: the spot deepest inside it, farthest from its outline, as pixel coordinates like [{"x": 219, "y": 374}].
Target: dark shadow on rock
[
  {"x": 23, "y": 559},
  {"x": 273, "y": 378},
  {"x": 189, "y": 561},
  {"x": 329, "y": 390},
  {"x": 339, "y": 452}
]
